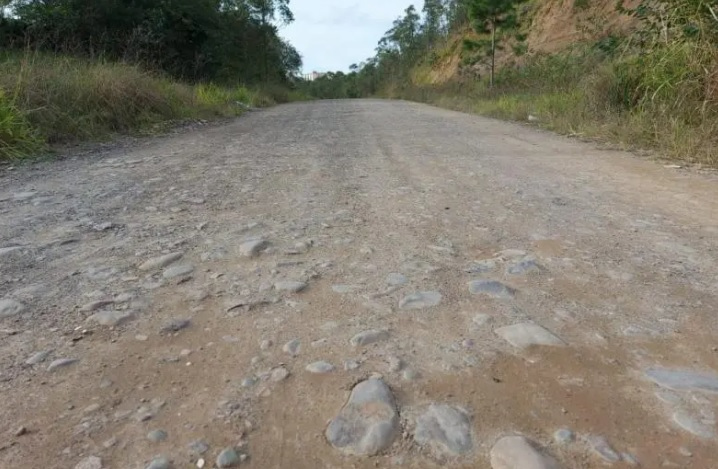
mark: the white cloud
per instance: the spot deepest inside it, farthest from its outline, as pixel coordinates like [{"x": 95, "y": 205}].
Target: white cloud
[{"x": 333, "y": 34}]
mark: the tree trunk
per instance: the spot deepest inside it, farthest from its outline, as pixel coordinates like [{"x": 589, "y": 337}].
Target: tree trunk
[{"x": 493, "y": 53}]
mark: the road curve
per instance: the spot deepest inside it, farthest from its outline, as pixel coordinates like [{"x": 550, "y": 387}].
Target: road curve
[{"x": 479, "y": 279}]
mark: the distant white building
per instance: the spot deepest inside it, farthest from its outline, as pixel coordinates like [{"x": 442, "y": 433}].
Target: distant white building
[{"x": 312, "y": 76}]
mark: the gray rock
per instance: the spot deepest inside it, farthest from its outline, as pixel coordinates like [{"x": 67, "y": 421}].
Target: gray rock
[
  {"x": 159, "y": 462},
  {"x": 228, "y": 458},
  {"x": 279, "y": 374},
  {"x": 517, "y": 452},
  {"x": 445, "y": 430},
  {"x": 198, "y": 447},
  {"x": 161, "y": 261},
  {"x": 253, "y": 247},
  {"x": 90, "y": 462},
  {"x": 602, "y": 448},
  {"x": 248, "y": 382},
  {"x": 369, "y": 337},
  {"x": 265, "y": 344},
  {"x": 481, "y": 267},
  {"x": 290, "y": 286},
  {"x": 111, "y": 318},
  {"x": 683, "y": 380},
  {"x": 178, "y": 271},
  {"x": 9, "y": 308},
  {"x": 527, "y": 334},
  {"x": 157, "y": 436},
  {"x": 320, "y": 367},
  {"x": 492, "y": 288},
  {"x": 692, "y": 425},
  {"x": 395, "y": 279},
  {"x": 410, "y": 375},
  {"x": 292, "y": 347},
  {"x": 368, "y": 422},
  {"x": 62, "y": 363},
  {"x": 523, "y": 267},
  {"x": 563, "y": 436},
  {"x": 420, "y": 300},
  {"x": 175, "y": 325},
  {"x": 38, "y": 357}
]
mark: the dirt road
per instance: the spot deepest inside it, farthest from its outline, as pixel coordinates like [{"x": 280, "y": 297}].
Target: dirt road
[{"x": 465, "y": 280}]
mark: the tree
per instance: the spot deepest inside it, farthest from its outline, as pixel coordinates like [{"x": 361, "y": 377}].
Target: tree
[
  {"x": 492, "y": 17},
  {"x": 195, "y": 40},
  {"x": 433, "y": 11}
]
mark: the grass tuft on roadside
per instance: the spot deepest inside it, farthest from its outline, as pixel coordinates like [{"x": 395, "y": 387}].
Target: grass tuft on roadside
[
  {"x": 665, "y": 99},
  {"x": 49, "y": 99}
]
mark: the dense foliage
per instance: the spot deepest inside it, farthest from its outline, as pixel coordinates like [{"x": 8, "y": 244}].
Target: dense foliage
[{"x": 194, "y": 40}]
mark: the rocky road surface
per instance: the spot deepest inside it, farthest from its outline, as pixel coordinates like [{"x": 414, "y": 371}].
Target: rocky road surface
[{"x": 358, "y": 284}]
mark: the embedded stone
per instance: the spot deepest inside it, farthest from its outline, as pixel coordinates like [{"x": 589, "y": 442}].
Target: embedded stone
[
  {"x": 420, "y": 300},
  {"x": 368, "y": 422},
  {"x": 492, "y": 288}
]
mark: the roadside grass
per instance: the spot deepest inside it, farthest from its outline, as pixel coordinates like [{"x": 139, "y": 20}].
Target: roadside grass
[
  {"x": 47, "y": 99},
  {"x": 664, "y": 100}
]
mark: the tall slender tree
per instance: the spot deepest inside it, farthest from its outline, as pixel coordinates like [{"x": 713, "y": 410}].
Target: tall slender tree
[{"x": 493, "y": 17}]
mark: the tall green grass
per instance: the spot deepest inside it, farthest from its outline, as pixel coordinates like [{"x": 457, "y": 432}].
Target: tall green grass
[
  {"x": 57, "y": 99},
  {"x": 665, "y": 98},
  {"x": 17, "y": 136}
]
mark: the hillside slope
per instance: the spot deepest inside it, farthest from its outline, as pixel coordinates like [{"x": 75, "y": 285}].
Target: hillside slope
[{"x": 551, "y": 26}]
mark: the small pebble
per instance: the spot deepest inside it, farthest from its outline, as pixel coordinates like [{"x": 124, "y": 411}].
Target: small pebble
[
  {"x": 62, "y": 363},
  {"x": 248, "y": 382},
  {"x": 292, "y": 347},
  {"x": 320, "y": 367},
  {"x": 279, "y": 374}
]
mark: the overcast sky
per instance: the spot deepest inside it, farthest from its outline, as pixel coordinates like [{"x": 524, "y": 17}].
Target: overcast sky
[{"x": 333, "y": 34}]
